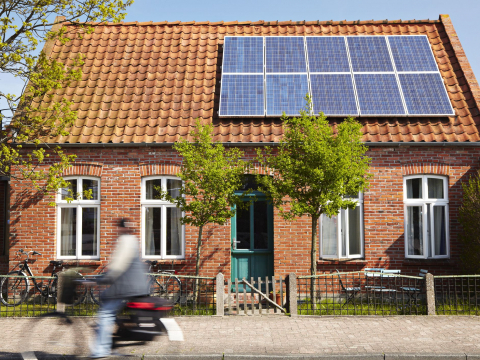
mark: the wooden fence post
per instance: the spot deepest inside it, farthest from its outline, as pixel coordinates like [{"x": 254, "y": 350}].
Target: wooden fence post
[
  {"x": 292, "y": 294},
  {"x": 220, "y": 294},
  {"x": 430, "y": 293}
]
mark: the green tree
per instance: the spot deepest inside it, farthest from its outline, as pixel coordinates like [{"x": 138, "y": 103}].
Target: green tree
[
  {"x": 210, "y": 176},
  {"x": 24, "y": 25},
  {"x": 314, "y": 171},
  {"x": 469, "y": 216}
]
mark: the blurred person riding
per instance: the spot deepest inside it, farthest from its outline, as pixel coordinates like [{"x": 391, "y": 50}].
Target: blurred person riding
[{"x": 126, "y": 275}]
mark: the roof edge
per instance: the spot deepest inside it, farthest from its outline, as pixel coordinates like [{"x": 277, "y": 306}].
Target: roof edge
[
  {"x": 264, "y": 23},
  {"x": 461, "y": 57}
]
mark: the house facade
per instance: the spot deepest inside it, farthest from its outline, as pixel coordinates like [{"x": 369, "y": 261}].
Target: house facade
[{"x": 143, "y": 86}]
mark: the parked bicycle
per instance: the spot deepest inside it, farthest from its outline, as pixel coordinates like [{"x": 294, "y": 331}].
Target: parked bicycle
[
  {"x": 15, "y": 287},
  {"x": 164, "y": 283}
]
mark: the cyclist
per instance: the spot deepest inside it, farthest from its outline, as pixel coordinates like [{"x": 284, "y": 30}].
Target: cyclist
[{"x": 126, "y": 275}]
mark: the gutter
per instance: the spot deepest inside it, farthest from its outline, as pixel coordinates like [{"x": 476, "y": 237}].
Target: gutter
[{"x": 252, "y": 144}]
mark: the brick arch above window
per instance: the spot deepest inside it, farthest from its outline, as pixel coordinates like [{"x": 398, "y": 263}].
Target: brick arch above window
[
  {"x": 158, "y": 169},
  {"x": 425, "y": 168},
  {"x": 85, "y": 169}
]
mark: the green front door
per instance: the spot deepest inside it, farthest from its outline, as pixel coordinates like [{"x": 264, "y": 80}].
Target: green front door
[{"x": 252, "y": 241}]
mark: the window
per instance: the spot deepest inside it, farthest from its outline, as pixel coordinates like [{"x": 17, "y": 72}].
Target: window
[
  {"x": 426, "y": 217},
  {"x": 341, "y": 236},
  {"x": 78, "y": 231},
  {"x": 162, "y": 232}
]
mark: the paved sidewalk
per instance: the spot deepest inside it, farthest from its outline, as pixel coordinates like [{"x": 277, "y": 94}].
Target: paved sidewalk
[{"x": 263, "y": 337}]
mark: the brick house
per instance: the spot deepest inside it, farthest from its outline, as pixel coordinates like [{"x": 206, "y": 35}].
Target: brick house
[{"x": 143, "y": 86}]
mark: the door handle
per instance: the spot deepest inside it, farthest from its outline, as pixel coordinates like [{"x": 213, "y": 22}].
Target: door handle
[{"x": 235, "y": 242}]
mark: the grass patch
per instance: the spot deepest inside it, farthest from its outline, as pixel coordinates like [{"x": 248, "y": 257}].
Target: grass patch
[{"x": 359, "y": 307}]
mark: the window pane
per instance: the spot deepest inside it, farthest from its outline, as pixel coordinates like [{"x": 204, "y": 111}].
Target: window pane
[
  {"x": 354, "y": 229},
  {"x": 90, "y": 185},
  {"x": 414, "y": 230},
  {"x": 174, "y": 231},
  {"x": 173, "y": 187},
  {"x": 243, "y": 228},
  {"x": 435, "y": 188},
  {"x": 414, "y": 188},
  {"x": 89, "y": 231},
  {"x": 153, "y": 230},
  {"x": 439, "y": 228},
  {"x": 70, "y": 191},
  {"x": 68, "y": 231},
  {"x": 152, "y": 187},
  {"x": 329, "y": 235},
  {"x": 260, "y": 225}
]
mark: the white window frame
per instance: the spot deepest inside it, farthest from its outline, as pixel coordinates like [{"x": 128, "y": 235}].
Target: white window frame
[
  {"x": 160, "y": 204},
  {"x": 424, "y": 202},
  {"x": 338, "y": 255},
  {"x": 78, "y": 204}
]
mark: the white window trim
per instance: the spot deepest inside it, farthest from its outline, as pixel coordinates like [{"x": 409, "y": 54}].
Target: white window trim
[
  {"x": 159, "y": 204},
  {"x": 423, "y": 202},
  {"x": 359, "y": 202},
  {"x": 62, "y": 204}
]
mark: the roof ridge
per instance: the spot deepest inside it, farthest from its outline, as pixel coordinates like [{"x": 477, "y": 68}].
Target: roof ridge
[{"x": 265, "y": 23}]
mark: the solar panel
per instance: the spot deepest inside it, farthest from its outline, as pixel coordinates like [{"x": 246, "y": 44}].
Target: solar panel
[
  {"x": 286, "y": 93},
  {"x": 285, "y": 54},
  {"x": 369, "y": 54},
  {"x": 360, "y": 76},
  {"x": 425, "y": 94},
  {"x": 378, "y": 94},
  {"x": 412, "y": 53},
  {"x": 243, "y": 54},
  {"x": 333, "y": 94},
  {"x": 327, "y": 54},
  {"x": 242, "y": 95}
]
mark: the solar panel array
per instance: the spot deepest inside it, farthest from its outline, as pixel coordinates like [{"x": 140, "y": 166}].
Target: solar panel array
[{"x": 343, "y": 75}]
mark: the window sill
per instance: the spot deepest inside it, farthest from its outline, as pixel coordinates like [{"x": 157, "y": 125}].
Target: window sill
[
  {"x": 166, "y": 262},
  {"x": 416, "y": 262},
  {"x": 80, "y": 262},
  {"x": 340, "y": 261}
]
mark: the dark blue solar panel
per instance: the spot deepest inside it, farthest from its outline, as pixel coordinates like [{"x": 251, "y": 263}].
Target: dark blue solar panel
[
  {"x": 243, "y": 55},
  {"x": 285, "y": 54},
  {"x": 369, "y": 53},
  {"x": 333, "y": 94},
  {"x": 412, "y": 53},
  {"x": 286, "y": 93},
  {"x": 378, "y": 94},
  {"x": 425, "y": 94},
  {"x": 327, "y": 54},
  {"x": 242, "y": 95}
]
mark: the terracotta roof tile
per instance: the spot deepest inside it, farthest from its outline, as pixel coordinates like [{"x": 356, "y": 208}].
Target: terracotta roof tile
[{"x": 148, "y": 82}]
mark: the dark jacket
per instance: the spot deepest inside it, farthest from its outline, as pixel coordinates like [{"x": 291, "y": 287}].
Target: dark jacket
[{"x": 126, "y": 272}]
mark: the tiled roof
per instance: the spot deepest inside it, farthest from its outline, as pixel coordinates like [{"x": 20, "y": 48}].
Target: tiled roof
[{"x": 148, "y": 82}]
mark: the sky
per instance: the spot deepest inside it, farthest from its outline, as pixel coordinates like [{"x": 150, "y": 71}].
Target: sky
[{"x": 463, "y": 13}]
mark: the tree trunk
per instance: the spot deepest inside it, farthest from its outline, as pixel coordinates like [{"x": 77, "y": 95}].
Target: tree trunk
[
  {"x": 313, "y": 262},
  {"x": 196, "y": 290}
]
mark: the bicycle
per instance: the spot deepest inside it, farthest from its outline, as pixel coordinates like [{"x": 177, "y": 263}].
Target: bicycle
[
  {"x": 167, "y": 285},
  {"x": 14, "y": 289}
]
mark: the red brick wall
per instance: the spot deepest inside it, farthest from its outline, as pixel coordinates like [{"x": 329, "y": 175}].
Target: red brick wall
[
  {"x": 3, "y": 219},
  {"x": 120, "y": 170}
]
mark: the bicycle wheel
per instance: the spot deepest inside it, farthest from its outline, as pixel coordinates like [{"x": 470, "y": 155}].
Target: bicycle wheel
[
  {"x": 13, "y": 290},
  {"x": 169, "y": 287}
]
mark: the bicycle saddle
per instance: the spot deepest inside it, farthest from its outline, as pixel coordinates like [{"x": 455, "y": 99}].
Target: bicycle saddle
[
  {"x": 153, "y": 262},
  {"x": 56, "y": 263}
]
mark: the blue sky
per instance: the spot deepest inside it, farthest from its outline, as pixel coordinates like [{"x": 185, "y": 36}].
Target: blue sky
[{"x": 464, "y": 15}]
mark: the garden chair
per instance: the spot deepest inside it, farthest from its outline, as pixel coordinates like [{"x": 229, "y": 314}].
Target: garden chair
[
  {"x": 350, "y": 291},
  {"x": 413, "y": 291}
]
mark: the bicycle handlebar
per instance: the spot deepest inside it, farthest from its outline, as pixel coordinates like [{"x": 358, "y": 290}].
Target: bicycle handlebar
[{"x": 23, "y": 252}]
